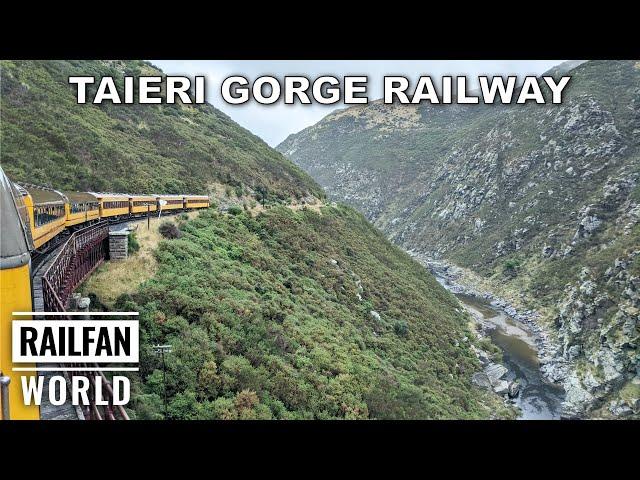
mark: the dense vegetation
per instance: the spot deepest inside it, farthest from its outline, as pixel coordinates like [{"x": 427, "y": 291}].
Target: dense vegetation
[
  {"x": 48, "y": 139},
  {"x": 296, "y": 314}
]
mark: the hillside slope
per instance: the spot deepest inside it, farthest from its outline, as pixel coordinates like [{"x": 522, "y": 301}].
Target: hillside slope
[
  {"x": 288, "y": 314},
  {"x": 300, "y": 314},
  {"x": 48, "y": 139},
  {"x": 542, "y": 200}
]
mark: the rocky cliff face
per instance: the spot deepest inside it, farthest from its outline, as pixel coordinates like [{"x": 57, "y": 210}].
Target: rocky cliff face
[{"x": 541, "y": 200}]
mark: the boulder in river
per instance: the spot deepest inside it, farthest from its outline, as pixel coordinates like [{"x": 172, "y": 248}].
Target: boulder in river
[
  {"x": 500, "y": 387},
  {"x": 495, "y": 371},
  {"x": 514, "y": 389}
]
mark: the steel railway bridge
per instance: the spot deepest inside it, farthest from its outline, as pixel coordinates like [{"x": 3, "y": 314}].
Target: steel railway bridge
[{"x": 53, "y": 283}]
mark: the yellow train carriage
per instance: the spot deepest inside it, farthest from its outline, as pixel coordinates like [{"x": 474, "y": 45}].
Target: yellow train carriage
[
  {"x": 143, "y": 204},
  {"x": 113, "y": 205},
  {"x": 47, "y": 212},
  {"x": 170, "y": 202},
  {"x": 82, "y": 208},
  {"x": 15, "y": 295},
  {"x": 196, "y": 201}
]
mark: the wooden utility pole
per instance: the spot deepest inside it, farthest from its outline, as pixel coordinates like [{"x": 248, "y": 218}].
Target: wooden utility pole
[{"x": 161, "y": 350}]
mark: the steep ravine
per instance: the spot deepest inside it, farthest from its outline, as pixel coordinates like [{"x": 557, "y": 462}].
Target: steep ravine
[
  {"x": 539, "y": 204},
  {"x": 521, "y": 341}
]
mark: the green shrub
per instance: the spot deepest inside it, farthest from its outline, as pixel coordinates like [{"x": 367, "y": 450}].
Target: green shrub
[
  {"x": 510, "y": 267},
  {"x": 262, "y": 194},
  {"x": 401, "y": 328},
  {"x": 234, "y": 210},
  {"x": 132, "y": 243},
  {"x": 169, "y": 230}
]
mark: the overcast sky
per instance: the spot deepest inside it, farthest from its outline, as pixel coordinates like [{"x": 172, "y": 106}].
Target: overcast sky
[{"x": 273, "y": 123}]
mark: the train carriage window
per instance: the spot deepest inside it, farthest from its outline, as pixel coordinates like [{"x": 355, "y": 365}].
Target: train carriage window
[
  {"x": 83, "y": 207},
  {"x": 44, "y": 214},
  {"x": 118, "y": 204}
]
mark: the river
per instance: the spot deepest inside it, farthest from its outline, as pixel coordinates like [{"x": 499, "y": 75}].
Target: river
[{"x": 538, "y": 398}]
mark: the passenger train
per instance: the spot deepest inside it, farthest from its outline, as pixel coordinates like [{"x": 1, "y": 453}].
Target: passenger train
[
  {"x": 51, "y": 211},
  {"x": 32, "y": 218}
]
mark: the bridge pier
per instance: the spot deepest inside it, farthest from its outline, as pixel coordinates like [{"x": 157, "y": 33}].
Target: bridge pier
[{"x": 119, "y": 245}]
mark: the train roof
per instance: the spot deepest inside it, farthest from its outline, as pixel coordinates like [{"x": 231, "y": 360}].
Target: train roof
[
  {"x": 145, "y": 197},
  {"x": 81, "y": 197},
  {"x": 196, "y": 196},
  {"x": 43, "y": 195},
  {"x": 100, "y": 195}
]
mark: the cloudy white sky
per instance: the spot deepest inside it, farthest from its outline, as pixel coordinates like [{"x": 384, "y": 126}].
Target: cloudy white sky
[{"x": 273, "y": 123}]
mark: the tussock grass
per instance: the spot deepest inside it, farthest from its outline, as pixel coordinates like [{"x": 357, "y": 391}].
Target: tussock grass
[{"x": 115, "y": 278}]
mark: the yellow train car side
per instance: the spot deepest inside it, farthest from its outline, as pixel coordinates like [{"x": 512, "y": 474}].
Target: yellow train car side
[
  {"x": 15, "y": 293},
  {"x": 81, "y": 208},
  {"x": 47, "y": 213},
  {"x": 173, "y": 202},
  {"x": 143, "y": 204},
  {"x": 113, "y": 205},
  {"x": 196, "y": 201}
]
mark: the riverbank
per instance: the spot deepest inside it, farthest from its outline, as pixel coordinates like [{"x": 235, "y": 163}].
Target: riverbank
[
  {"x": 524, "y": 323},
  {"x": 534, "y": 396}
]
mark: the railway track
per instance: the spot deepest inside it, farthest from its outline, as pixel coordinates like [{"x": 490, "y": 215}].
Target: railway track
[{"x": 38, "y": 257}]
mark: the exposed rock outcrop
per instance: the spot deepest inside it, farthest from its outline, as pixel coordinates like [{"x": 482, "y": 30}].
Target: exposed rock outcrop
[{"x": 604, "y": 347}]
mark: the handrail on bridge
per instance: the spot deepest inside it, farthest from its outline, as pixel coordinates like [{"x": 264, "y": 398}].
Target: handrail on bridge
[{"x": 80, "y": 255}]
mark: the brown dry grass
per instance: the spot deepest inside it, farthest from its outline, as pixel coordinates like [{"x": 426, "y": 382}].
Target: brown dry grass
[{"x": 114, "y": 278}]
